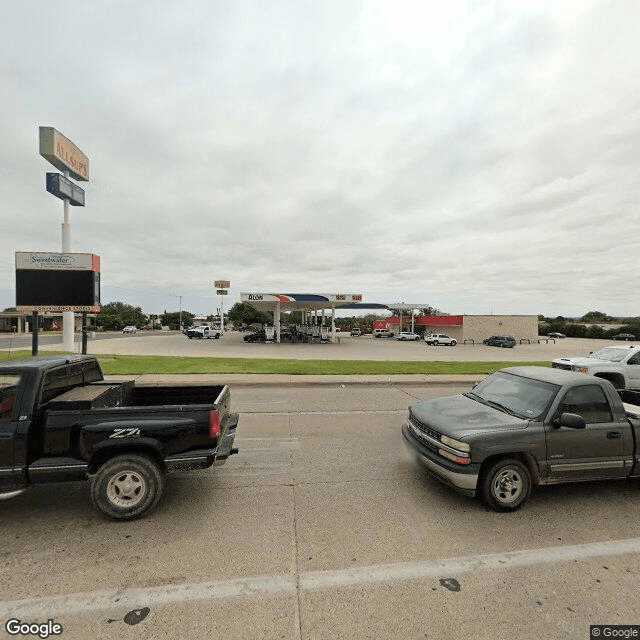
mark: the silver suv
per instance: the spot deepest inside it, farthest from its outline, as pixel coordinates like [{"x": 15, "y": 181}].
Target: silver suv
[
  {"x": 440, "y": 338},
  {"x": 383, "y": 333}
]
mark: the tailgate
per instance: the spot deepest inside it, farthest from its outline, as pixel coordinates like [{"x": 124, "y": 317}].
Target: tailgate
[{"x": 202, "y": 458}]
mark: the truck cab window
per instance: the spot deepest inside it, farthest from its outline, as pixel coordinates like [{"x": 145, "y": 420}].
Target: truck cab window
[
  {"x": 55, "y": 383},
  {"x": 8, "y": 392},
  {"x": 589, "y": 402}
]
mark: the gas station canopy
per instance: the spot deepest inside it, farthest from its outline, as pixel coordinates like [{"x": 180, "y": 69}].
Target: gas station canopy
[
  {"x": 307, "y": 303},
  {"x": 313, "y": 303},
  {"x": 268, "y": 302}
]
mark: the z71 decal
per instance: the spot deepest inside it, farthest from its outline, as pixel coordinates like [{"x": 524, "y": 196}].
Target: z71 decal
[{"x": 125, "y": 433}]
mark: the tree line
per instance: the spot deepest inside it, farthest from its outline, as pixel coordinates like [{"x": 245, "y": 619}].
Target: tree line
[{"x": 590, "y": 325}]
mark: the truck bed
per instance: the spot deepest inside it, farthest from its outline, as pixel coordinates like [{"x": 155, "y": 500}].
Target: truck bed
[
  {"x": 126, "y": 394},
  {"x": 630, "y": 402}
]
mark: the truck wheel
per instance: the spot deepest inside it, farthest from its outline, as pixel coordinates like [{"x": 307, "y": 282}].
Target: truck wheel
[
  {"x": 505, "y": 485},
  {"x": 126, "y": 486}
]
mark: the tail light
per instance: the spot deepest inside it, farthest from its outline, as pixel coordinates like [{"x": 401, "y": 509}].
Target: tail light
[{"x": 214, "y": 424}]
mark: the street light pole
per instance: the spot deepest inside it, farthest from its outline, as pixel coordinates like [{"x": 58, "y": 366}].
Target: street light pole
[{"x": 179, "y": 298}]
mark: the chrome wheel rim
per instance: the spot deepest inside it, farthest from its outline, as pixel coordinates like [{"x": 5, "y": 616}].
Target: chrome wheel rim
[
  {"x": 126, "y": 489},
  {"x": 507, "y": 486}
]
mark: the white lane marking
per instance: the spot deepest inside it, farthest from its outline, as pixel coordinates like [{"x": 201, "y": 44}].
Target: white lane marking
[
  {"x": 284, "y": 585},
  {"x": 322, "y": 412}
]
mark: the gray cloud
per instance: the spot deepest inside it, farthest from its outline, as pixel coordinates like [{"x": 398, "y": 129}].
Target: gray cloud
[{"x": 474, "y": 156}]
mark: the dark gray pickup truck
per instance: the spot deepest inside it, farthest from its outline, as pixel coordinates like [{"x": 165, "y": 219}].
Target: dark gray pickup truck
[
  {"x": 60, "y": 421},
  {"x": 524, "y": 426}
]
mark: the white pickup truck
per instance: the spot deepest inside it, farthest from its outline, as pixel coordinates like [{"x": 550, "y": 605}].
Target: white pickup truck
[
  {"x": 203, "y": 331},
  {"x": 619, "y": 365}
]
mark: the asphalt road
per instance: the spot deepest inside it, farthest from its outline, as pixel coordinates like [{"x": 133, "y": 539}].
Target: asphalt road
[
  {"x": 23, "y": 340},
  {"x": 323, "y": 527}
]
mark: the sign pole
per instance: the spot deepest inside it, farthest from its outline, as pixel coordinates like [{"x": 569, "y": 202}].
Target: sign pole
[
  {"x": 66, "y": 157},
  {"x": 34, "y": 333},
  {"x": 222, "y": 286},
  {"x": 68, "y": 317},
  {"x": 84, "y": 333}
]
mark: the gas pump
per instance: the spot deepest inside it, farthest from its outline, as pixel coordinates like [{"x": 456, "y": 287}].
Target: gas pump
[{"x": 269, "y": 333}]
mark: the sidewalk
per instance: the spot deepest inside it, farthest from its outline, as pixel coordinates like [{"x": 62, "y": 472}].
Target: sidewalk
[{"x": 279, "y": 380}]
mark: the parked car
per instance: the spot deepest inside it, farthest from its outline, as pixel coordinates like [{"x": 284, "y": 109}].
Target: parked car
[
  {"x": 556, "y": 334},
  {"x": 624, "y": 336},
  {"x": 129, "y": 329},
  {"x": 440, "y": 338},
  {"x": 256, "y": 336},
  {"x": 618, "y": 364},
  {"x": 500, "y": 341},
  {"x": 407, "y": 335},
  {"x": 383, "y": 333},
  {"x": 356, "y": 331}
]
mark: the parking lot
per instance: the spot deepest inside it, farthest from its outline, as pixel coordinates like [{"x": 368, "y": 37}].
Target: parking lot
[{"x": 365, "y": 347}]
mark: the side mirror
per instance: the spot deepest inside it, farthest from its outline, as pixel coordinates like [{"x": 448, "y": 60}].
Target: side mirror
[{"x": 570, "y": 420}]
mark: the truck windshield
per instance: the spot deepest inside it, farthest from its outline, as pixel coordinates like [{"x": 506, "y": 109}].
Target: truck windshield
[
  {"x": 612, "y": 354},
  {"x": 521, "y": 396}
]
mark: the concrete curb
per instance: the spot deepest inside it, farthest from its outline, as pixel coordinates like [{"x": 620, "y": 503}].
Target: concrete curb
[{"x": 278, "y": 380}]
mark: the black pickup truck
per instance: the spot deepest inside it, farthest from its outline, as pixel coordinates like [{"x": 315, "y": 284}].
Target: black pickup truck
[
  {"x": 524, "y": 426},
  {"x": 61, "y": 421}
]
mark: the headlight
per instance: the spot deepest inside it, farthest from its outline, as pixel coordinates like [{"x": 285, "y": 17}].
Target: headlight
[
  {"x": 455, "y": 444},
  {"x": 459, "y": 459}
]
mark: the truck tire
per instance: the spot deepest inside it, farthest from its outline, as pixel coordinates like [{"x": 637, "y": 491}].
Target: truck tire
[
  {"x": 505, "y": 485},
  {"x": 126, "y": 486}
]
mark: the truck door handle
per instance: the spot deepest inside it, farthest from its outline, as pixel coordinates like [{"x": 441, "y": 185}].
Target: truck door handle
[{"x": 614, "y": 435}]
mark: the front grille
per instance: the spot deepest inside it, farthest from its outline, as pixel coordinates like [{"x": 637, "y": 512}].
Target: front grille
[
  {"x": 559, "y": 365},
  {"x": 426, "y": 431}
]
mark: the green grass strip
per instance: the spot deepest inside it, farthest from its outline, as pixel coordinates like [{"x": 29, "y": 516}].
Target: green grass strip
[{"x": 140, "y": 365}]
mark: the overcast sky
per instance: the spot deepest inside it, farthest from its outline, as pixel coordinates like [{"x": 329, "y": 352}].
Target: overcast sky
[{"x": 480, "y": 157}]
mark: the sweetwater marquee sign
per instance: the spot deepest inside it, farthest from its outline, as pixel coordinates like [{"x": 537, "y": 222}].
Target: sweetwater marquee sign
[{"x": 57, "y": 281}]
